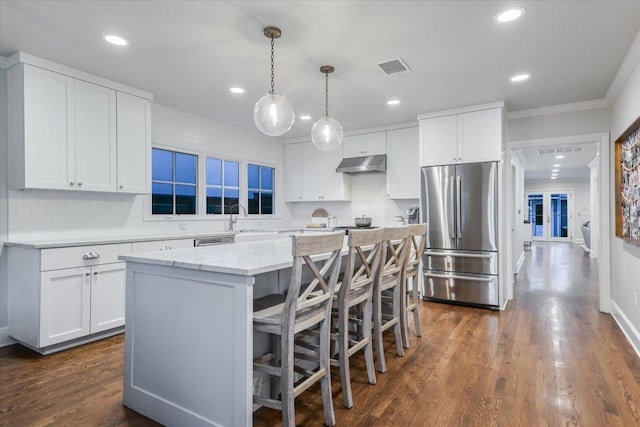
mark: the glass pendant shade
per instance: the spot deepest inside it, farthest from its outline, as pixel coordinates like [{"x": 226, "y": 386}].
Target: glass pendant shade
[
  {"x": 326, "y": 134},
  {"x": 273, "y": 114}
]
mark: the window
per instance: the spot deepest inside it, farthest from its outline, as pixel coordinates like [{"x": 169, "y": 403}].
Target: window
[
  {"x": 260, "y": 189},
  {"x": 223, "y": 185},
  {"x": 173, "y": 183}
]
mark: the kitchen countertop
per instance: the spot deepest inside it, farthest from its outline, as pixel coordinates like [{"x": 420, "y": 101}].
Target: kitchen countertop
[{"x": 243, "y": 258}]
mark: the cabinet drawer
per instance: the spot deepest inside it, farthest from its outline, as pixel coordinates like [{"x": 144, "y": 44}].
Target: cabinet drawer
[
  {"x": 161, "y": 245},
  {"x": 79, "y": 256}
]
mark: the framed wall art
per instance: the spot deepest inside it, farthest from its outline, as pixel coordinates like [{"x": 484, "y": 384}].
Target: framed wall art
[{"x": 627, "y": 168}]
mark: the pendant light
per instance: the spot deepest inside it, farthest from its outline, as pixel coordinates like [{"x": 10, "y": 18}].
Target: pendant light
[
  {"x": 326, "y": 133},
  {"x": 273, "y": 113}
]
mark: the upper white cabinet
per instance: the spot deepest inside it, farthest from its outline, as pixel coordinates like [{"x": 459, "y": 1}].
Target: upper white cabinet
[
  {"x": 71, "y": 133},
  {"x": 464, "y": 137},
  {"x": 403, "y": 172},
  {"x": 293, "y": 173},
  {"x": 368, "y": 144},
  {"x": 310, "y": 174},
  {"x": 133, "y": 143}
]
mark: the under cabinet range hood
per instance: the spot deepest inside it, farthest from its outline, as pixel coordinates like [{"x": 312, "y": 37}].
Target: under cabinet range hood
[{"x": 362, "y": 165}]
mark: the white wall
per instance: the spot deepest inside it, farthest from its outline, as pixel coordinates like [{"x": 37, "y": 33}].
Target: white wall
[
  {"x": 625, "y": 257},
  {"x": 580, "y": 122},
  {"x": 581, "y": 200}
]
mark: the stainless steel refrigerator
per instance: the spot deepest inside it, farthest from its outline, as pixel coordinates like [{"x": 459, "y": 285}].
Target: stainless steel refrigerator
[{"x": 459, "y": 203}]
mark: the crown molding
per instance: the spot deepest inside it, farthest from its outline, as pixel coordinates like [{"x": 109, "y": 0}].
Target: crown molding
[
  {"x": 558, "y": 109},
  {"x": 625, "y": 70}
]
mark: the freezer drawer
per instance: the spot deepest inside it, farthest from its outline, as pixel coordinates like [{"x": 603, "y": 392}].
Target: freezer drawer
[
  {"x": 461, "y": 261},
  {"x": 461, "y": 288}
]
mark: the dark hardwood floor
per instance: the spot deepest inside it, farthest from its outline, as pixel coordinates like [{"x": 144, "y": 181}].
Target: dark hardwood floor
[{"x": 550, "y": 359}]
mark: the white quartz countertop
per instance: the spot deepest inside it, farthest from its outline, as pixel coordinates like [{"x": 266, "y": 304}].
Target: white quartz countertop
[{"x": 245, "y": 258}]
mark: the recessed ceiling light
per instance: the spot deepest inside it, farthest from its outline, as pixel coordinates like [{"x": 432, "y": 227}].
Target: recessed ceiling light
[
  {"x": 519, "y": 78},
  {"x": 305, "y": 117},
  {"x": 554, "y": 177},
  {"x": 557, "y": 165},
  {"x": 236, "y": 90},
  {"x": 561, "y": 156},
  {"x": 117, "y": 40},
  {"x": 393, "y": 102},
  {"x": 510, "y": 14},
  {"x": 554, "y": 170}
]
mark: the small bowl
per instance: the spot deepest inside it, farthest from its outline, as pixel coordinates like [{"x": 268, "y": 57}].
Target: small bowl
[{"x": 363, "y": 221}]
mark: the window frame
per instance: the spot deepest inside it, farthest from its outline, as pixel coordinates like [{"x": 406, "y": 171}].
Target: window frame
[
  {"x": 201, "y": 209},
  {"x": 260, "y": 189},
  {"x": 174, "y": 183}
]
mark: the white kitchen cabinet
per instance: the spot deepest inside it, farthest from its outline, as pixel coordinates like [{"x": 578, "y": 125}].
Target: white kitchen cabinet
[
  {"x": 466, "y": 137},
  {"x": 62, "y": 131},
  {"x": 403, "y": 171},
  {"x": 95, "y": 137},
  {"x": 368, "y": 144},
  {"x": 319, "y": 177},
  {"x": 61, "y": 297},
  {"x": 133, "y": 143},
  {"x": 73, "y": 134},
  {"x": 41, "y": 128},
  {"x": 293, "y": 173}
]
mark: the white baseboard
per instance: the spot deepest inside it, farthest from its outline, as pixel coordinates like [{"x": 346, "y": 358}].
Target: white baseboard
[
  {"x": 629, "y": 331},
  {"x": 5, "y": 339}
]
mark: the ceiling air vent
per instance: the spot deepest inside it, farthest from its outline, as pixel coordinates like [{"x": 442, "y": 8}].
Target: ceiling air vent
[{"x": 394, "y": 66}]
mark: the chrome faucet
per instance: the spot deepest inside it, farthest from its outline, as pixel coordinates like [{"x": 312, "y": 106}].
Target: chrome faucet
[{"x": 231, "y": 220}]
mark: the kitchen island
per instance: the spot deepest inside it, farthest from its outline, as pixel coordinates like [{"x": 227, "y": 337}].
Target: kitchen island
[{"x": 188, "y": 335}]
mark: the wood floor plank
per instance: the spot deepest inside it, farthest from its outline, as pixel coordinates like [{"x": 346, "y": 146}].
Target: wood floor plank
[{"x": 549, "y": 359}]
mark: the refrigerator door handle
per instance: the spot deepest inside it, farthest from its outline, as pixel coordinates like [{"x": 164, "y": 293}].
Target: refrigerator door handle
[
  {"x": 464, "y": 255},
  {"x": 454, "y": 276},
  {"x": 454, "y": 190},
  {"x": 458, "y": 207}
]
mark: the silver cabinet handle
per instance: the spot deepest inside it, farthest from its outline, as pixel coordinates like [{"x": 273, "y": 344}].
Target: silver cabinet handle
[
  {"x": 91, "y": 255},
  {"x": 71, "y": 184},
  {"x": 87, "y": 274},
  {"x": 121, "y": 187},
  {"x": 95, "y": 273},
  {"x": 79, "y": 184}
]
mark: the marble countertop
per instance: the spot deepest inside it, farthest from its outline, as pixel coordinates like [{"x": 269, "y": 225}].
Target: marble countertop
[{"x": 244, "y": 258}]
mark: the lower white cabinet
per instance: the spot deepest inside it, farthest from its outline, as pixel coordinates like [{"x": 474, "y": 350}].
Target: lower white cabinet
[{"x": 62, "y": 297}]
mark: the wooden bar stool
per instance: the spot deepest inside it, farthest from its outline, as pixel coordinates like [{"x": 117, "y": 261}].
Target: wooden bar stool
[
  {"x": 387, "y": 291},
  {"x": 412, "y": 271},
  {"x": 302, "y": 309},
  {"x": 353, "y": 305}
]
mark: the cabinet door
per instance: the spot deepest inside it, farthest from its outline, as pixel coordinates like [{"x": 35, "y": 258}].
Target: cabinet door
[
  {"x": 133, "y": 143},
  {"x": 439, "y": 141},
  {"x": 95, "y": 120},
  {"x": 335, "y": 185},
  {"x": 65, "y": 303},
  {"x": 48, "y": 130},
  {"x": 403, "y": 172},
  {"x": 311, "y": 172},
  {"x": 374, "y": 143},
  {"x": 107, "y": 296},
  {"x": 293, "y": 173},
  {"x": 353, "y": 146},
  {"x": 480, "y": 136}
]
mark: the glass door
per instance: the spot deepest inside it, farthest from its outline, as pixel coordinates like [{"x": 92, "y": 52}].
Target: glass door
[{"x": 550, "y": 215}]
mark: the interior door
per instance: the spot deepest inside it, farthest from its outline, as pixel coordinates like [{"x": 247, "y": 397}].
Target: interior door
[{"x": 550, "y": 213}]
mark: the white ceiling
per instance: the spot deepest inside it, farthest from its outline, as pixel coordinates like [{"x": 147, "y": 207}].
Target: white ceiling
[
  {"x": 188, "y": 53},
  {"x": 539, "y": 161}
]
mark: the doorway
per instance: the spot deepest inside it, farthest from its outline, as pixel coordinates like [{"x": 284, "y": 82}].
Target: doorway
[{"x": 550, "y": 214}]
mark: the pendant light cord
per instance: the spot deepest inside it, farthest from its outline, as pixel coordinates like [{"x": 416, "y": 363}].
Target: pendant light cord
[
  {"x": 272, "y": 72},
  {"x": 326, "y": 94}
]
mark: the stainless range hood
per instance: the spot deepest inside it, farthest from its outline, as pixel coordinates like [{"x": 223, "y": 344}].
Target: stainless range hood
[{"x": 362, "y": 165}]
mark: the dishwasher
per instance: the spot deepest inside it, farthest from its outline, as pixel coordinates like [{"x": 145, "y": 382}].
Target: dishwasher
[{"x": 213, "y": 240}]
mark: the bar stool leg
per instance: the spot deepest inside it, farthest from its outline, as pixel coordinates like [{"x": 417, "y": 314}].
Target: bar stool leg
[
  {"x": 325, "y": 382},
  {"x": 287, "y": 381}
]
